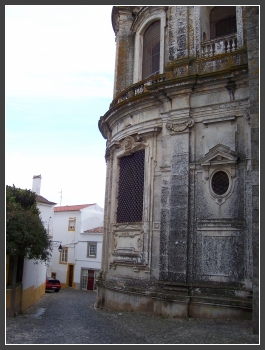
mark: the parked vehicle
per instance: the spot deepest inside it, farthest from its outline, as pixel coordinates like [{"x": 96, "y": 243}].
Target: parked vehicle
[{"x": 53, "y": 284}]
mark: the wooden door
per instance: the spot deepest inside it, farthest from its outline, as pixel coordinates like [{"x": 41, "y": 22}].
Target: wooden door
[
  {"x": 90, "y": 280},
  {"x": 71, "y": 273}
]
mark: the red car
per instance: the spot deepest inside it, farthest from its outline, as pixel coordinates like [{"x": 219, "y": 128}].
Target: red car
[{"x": 53, "y": 284}]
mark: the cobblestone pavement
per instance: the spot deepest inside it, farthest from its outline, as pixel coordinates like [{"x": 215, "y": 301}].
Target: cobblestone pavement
[{"x": 69, "y": 317}]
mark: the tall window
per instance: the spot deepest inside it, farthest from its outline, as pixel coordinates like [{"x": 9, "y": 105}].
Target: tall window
[
  {"x": 151, "y": 50},
  {"x": 84, "y": 279},
  {"x": 63, "y": 256},
  {"x": 223, "y": 21},
  {"x": 71, "y": 224},
  {"x": 131, "y": 186},
  {"x": 91, "y": 250}
]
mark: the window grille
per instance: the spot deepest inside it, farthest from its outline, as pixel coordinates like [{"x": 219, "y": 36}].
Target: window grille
[
  {"x": 220, "y": 182},
  {"x": 131, "y": 186}
]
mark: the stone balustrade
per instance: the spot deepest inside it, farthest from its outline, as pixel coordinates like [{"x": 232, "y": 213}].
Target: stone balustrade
[
  {"x": 209, "y": 48},
  {"x": 221, "y": 45},
  {"x": 138, "y": 88}
]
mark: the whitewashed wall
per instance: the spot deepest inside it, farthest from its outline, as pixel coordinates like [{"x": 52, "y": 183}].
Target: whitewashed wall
[
  {"x": 91, "y": 217},
  {"x": 81, "y": 260},
  {"x": 33, "y": 274},
  {"x": 46, "y": 215},
  {"x": 76, "y": 241}
]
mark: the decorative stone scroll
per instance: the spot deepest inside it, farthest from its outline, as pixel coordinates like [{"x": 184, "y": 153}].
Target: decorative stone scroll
[{"x": 179, "y": 125}]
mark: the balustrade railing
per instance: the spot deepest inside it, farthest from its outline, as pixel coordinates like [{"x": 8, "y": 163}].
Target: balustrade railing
[
  {"x": 137, "y": 89},
  {"x": 219, "y": 45}
]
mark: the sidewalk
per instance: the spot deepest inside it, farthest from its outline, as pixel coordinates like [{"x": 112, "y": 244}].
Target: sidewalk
[{"x": 69, "y": 317}]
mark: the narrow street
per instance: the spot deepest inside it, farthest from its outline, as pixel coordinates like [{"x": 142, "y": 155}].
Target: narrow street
[{"x": 69, "y": 317}]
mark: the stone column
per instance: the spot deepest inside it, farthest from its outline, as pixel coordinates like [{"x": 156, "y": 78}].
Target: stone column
[
  {"x": 175, "y": 201},
  {"x": 197, "y": 30},
  {"x": 252, "y": 26},
  {"x": 179, "y": 201},
  {"x": 178, "y": 29},
  {"x": 239, "y": 21},
  {"x": 124, "y": 50},
  {"x": 107, "y": 206}
]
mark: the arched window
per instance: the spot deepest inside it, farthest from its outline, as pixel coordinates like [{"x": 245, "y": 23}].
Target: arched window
[
  {"x": 151, "y": 50},
  {"x": 223, "y": 21}
]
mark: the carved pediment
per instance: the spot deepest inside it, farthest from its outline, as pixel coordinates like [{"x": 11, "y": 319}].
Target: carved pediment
[
  {"x": 220, "y": 159},
  {"x": 219, "y": 154}
]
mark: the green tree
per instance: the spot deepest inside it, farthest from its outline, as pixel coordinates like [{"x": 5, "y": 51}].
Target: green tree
[
  {"x": 26, "y": 237},
  {"x": 25, "y": 234}
]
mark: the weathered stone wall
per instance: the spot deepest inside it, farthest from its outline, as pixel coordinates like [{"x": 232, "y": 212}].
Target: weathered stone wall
[
  {"x": 192, "y": 253},
  {"x": 178, "y": 31},
  {"x": 252, "y": 29}
]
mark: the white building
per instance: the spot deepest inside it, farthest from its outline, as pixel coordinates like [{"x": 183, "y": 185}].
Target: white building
[
  {"x": 34, "y": 275},
  {"x": 46, "y": 209},
  {"x": 78, "y": 228}
]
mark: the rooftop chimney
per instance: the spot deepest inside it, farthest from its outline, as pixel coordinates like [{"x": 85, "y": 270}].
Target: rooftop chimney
[{"x": 36, "y": 184}]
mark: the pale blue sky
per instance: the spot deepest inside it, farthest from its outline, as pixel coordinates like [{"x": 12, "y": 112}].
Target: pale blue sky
[{"x": 59, "y": 66}]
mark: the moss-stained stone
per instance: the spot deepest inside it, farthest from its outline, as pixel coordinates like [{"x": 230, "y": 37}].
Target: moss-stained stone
[{"x": 194, "y": 240}]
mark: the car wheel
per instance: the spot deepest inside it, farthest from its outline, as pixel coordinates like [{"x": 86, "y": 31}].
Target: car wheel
[{"x": 56, "y": 290}]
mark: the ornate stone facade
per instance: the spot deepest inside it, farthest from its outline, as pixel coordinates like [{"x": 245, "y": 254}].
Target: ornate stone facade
[{"x": 191, "y": 254}]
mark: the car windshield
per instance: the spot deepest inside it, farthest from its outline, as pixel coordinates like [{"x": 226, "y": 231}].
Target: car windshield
[{"x": 53, "y": 280}]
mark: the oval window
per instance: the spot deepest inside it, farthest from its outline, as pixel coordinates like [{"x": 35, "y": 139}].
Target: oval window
[{"x": 220, "y": 182}]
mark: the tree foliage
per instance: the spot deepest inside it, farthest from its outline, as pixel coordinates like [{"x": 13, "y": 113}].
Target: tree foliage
[{"x": 25, "y": 234}]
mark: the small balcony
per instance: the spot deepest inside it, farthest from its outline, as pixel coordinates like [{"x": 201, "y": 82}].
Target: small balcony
[
  {"x": 138, "y": 88},
  {"x": 218, "y": 46},
  {"x": 182, "y": 67}
]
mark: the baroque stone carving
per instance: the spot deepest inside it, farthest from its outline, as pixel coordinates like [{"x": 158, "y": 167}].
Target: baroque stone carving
[
  {"x": 179, "y": 125},
  {"x": 128, "y": 143},
  {"x": 131, "y": 144},
  {"x": 219, "y": 158}
]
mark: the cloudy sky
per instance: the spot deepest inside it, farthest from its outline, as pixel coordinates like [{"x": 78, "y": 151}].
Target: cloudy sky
[{"x": 59, "y": 69}]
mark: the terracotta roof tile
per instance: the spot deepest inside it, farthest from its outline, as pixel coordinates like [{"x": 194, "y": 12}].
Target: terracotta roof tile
[
  {"x": 72, "y": 207},
  {"x": 95, "y": 230},
  {"x": 41, "y": 199}
]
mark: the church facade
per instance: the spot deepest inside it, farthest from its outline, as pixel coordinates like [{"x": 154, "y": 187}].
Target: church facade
[{"x": 179, "y": 202}]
